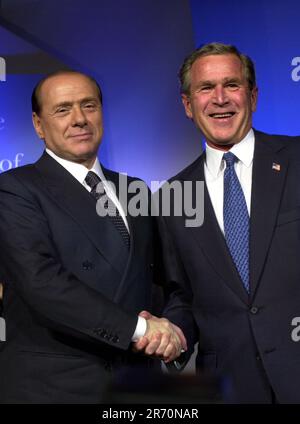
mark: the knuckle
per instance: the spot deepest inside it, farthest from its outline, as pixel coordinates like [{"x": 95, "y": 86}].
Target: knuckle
[{"x": 165, "y": 322}]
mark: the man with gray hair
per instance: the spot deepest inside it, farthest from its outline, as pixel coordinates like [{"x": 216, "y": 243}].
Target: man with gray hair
[{"x": 236, "y": 279}]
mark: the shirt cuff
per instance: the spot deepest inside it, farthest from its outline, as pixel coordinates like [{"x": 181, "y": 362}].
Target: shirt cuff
[{"x": 140, "y": 329}]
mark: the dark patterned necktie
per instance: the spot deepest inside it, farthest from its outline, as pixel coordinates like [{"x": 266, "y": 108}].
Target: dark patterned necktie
[
  {"x": 97, "y": 192},
  {"x": 236, "y": 220}
]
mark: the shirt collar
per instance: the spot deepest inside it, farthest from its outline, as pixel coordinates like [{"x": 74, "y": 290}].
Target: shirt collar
[
  {"x": 76, "y": 169},
  {"x": 244, "y": 151}
]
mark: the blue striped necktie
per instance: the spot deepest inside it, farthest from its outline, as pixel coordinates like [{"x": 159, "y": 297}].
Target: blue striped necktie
[{"x": 236, "y": 220}]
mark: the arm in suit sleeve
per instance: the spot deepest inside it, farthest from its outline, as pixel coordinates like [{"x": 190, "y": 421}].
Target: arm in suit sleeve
[
  {"x": 32, "y": 266},
  {"x": 178, "y": 308}
]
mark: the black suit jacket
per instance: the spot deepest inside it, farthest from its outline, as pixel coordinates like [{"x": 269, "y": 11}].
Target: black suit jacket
[
  {"x": 245, "y": 340},
  {"x": 72, "y": 289}
]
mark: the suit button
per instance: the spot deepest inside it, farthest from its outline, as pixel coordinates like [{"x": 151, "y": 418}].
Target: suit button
[
  {"x": 258, "y": 358},
  {"x": 103, "y": 334},
  {"x": 86, "y": 265},
  {"x": 100, "y": 332},
  {"x": 254, "y": 310}
]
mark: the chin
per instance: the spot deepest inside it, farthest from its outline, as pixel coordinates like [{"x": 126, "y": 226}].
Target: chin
[
  {"x": 224, "y": 139},
  {"x": 86, "y": 151},
  {"x": 220, "y": 143}
]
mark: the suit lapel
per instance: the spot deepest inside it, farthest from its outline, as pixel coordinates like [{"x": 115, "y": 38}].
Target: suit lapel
[
  {"x": 268, "y": 177},
  {"x": 70, "y": 195},
  {"x": 120, "y": 182},
  {"x": 138, "y": 228},
  {"x": 213, "y": 244}
]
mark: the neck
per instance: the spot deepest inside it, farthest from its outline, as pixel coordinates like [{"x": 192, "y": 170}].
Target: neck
[{"x": 89, "y": 163}]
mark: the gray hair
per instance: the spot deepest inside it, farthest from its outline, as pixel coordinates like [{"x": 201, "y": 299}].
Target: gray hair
[{"x": 215, "y": 49}]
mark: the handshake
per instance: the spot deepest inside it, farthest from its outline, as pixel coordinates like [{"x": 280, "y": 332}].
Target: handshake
[{"x": 162, "y": 339}]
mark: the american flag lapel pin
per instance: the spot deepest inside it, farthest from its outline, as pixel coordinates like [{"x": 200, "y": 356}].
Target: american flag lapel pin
[{"x": 276, "y": 166}]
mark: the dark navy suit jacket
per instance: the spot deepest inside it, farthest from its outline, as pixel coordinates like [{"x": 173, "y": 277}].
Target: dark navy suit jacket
[
  {"x": 72, "y": 289},
  {"x": 244, "y": 340}
]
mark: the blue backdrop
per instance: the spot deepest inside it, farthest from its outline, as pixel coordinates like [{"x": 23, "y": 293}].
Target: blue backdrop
[
  {"x": 134, "y": 48},
  {"x": 268, "y": 31}
]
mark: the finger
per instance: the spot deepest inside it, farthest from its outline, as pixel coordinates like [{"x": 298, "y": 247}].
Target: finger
[
  {"x": 165, "y": 340},
  {"x": 153, "y": 344},
  {"x": 172, "y": 352},
  {"x": 141, "y": 344},
  {"x": 145, "y": 314},
  {"x": 181, "y": 337}
]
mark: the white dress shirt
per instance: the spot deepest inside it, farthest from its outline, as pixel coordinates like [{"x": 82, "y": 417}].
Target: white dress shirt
[
  {"x": 214, "y": 173},
  {"x": 80, "y": 172}
]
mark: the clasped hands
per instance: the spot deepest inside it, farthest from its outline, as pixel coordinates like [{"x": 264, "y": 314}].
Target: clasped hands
[{"x": 162, "y": 339}]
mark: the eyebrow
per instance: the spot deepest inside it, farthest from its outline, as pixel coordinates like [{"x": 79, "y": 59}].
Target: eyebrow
[
  {"x": 224, "y": 81},
  {"x": 235, "y": 79},
  {"x": 85, "y": 100}
]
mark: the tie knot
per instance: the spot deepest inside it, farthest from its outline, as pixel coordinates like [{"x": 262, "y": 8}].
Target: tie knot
[
  {"x": 92, "y": 179},
  {"x": 229, "y": 158}
]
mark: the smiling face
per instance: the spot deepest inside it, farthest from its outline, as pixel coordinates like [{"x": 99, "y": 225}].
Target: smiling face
[
  {"x": 220, "y": 101},
  {"x": 70, "y": 120}
]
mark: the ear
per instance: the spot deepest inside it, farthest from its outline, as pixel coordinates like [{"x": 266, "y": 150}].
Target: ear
[
  {"x": 36, "y": 120},
  {"x": 254, "y": 95},
  {"x": 187, "y": 105}
]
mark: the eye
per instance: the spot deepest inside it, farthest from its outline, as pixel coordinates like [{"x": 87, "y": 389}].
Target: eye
[
  {"x": 90, "y": 106},
  {"x": 206, "y": 88},
  {"x": 232, "y": 85},
  {"x": 61, "y": 110}
]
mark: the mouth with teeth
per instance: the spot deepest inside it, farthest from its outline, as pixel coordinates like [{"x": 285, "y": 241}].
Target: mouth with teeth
[{"x": 226, "y": 115}]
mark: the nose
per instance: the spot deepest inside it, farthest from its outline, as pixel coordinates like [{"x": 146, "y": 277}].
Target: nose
[
  {"x": 220, "y": 97},
  {"x": 78, "y": 117}
]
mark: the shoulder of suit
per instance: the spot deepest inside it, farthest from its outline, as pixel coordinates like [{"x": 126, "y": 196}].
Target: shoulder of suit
[
  {"x": 285, "y": 145},
  {"x": 18, "y": 173},
  {"x": 19, "y": 180},
  {"x": 113, "y": 175},
  {"x": 186, "y": 173},
  {"x": 279, "y": 140}
]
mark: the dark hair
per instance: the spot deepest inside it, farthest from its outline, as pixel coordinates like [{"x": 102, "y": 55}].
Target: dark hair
[
  {"x": 35, "y": 97},
  {"x": 215, "y": 49}
]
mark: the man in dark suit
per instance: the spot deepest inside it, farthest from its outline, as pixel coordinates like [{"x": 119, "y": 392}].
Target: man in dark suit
[
  {"x": 75, "y": 281},
  {"x": 236, "y": 278}
]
